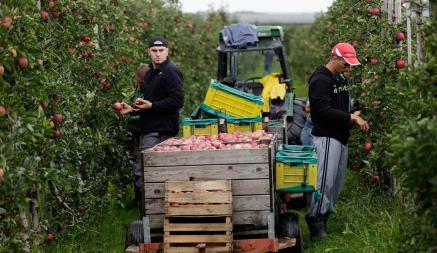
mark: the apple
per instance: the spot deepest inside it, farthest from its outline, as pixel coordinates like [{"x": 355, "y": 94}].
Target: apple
[
  {"x": 355, "y": 166},
  {"x": 40, "y": 62},
  {"x": 2, "y": 70},
  {"x": 2, "y": 111},
  {"x": 52, "y": 124},
  {"x": 45, "y": 15},
  {"x": 2, "y": 172},
  {"x": 71, "y": 50},
  {"x": 55, "y": 14},
  {"x": 23, "y": 62},
  {"x": 400, "y": 36},
  {"x": 7, "y": 22},
  {"x": 50, "y": 236},
  {"x": 57, "y": 133},
  {"x": 376, "y": 102},
  {"x": 51, "y": 4},
  {"x": 400, "y": 63},
  {"x": 13, "y": 52},
  {"x": 373, "y": 60},
  {"x": 58, "y": 118},
  {"x": 374, "y": 11},
  {"x": 368, "y": 146},
  {"x": 123, "y": 58},
  {"x": 375, "y": 178},
  {"x": 44, "y": 105},
  {"x": 86, "y": 39},
  {"x": 363, "y": 94},
  {"x": 118, "y": 106}
]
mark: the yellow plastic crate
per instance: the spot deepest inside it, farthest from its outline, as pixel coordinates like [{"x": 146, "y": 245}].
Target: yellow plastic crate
[
  {"x": 226, "y": 102},
  {"x": 295, "y": 175},
  {"x": 200, "y": 127},
  {"x": 243, "y": 127}
]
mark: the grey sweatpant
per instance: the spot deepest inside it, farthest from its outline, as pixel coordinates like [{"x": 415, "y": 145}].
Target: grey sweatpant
[
  {"x": 331, "y": 162},
  {"x": 146, "y": 141}
]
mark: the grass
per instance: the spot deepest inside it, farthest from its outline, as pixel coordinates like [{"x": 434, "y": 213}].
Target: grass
[
  {"x": 366, "y": 221},
  {"x": 105, "y": 234}
]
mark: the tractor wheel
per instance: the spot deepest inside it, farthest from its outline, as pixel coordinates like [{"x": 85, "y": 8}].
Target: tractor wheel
[
  {"x": 295, "y": 125},
  {"x": 134, "y": 233},
  {"x": 289, "y": 227}
]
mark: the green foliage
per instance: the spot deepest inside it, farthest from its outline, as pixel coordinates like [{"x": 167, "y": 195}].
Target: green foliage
[
  {"x": 81, "y": 59},
  {"x": 399, "y": 104}
]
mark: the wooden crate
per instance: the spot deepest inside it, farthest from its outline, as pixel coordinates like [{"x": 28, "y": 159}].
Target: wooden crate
[
  {"x": 198, "y": 212},
  {"x": 250, "y": 172}
]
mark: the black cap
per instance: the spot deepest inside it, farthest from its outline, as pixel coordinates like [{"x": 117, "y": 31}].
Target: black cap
[{"x": 155, "y": 42}]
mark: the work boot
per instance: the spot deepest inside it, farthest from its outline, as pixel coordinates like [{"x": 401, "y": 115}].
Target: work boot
[{"x": 316, "y": 226}]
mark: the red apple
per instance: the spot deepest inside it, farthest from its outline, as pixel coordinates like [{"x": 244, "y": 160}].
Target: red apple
[
  {"x": 23, "y": 62},
  {"x": 123, "y": 58},
  {"x": 373, "y": 60},
  {"x": 2, "y": 172},
  {"x": 2, "y": 70},
  {"x": 118, "y": 106},
  {"x": 50, "y": 236},
  {"x": 55, "y": 14},
  {"x": 40, "y": 62},
  {"x": 375, "y": 178},
  {"x": 58, "y": 118},
  {"x": 57, "y": 133},
  {"x": 51, "y": 4},
  {"x": 44, "y": 15},
  {"x": 2, "y": 111},
  {"x": 86, "y": 39},
  {"x": 355, "y": 166},
  {"x": 400, "y": 36},
  {"x": 374, "y": 11},
  {"x": 368, "y": 146},
  {"x": 52, "y": 124},
  {"x": 7, "y": 22},
  {"x": 400, "y": 63}
]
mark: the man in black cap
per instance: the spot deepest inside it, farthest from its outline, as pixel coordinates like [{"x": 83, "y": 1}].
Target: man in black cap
[{"x": 160, "y": 105}]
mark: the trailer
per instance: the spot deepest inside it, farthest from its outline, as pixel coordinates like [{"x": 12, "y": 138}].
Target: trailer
[{"x": 251, "y": 173}]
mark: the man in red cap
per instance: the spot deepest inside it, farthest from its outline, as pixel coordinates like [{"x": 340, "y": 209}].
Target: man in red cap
[{"x": 332, "y": 116}]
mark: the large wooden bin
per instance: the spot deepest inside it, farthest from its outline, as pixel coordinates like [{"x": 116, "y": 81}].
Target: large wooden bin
[{"x": 250, "y": 171}]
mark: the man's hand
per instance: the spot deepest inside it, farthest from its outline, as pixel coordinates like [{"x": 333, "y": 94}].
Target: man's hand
[
  {"x": 142, "y": 104},
  {"x": 125, "y": 109},
  {"x": 364, "y": 126}
]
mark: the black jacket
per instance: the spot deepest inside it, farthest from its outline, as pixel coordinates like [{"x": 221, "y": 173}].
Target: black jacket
[
  {"x": 330, "y": 105},
  {"x": 164, "y": 88}
]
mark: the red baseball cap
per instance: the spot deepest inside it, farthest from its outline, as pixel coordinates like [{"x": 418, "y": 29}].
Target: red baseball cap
[{"x": 347, "y": 52}]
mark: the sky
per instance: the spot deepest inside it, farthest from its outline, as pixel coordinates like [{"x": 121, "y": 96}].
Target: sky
[{"x": 257, "y": 5}]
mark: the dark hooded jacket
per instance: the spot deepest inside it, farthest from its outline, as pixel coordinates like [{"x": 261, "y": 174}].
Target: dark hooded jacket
[{"x": 330, "y": 105}]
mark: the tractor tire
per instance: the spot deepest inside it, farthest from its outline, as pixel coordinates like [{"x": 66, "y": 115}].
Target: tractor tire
[
  {"x": 289, "y": 227},
  {"x": 295, "y": 125},
  {"x": 134, "y": 233}
]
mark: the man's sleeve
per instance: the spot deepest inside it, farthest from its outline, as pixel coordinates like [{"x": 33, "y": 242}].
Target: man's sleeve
[
  {"x": 321, "y": 103},
  {"x": 174, "y": 87}
]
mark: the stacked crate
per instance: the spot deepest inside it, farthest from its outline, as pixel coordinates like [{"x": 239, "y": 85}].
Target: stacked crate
[{"x": 198, "y": 214}]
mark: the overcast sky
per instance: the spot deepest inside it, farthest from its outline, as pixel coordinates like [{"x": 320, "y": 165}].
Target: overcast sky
[{"x": 257, "y": 5}]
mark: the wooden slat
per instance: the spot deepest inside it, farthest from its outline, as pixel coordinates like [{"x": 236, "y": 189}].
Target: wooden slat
[
  {"x": 224, "y": 171},
  {"x": 199, "y": 197},
  {"x": 254, "y": 218},
  {"x": 192, "y": 210},
  {"x": 171, "y": 227},
  {"x": 204, "y": 157},
  {"x": 209, "y": 185},
  {"x": 196, "y": 250},
  {"x": 198, "y": 239},
  {"x": 239, "y": 203},
  {"x": 239, "y": 187}
]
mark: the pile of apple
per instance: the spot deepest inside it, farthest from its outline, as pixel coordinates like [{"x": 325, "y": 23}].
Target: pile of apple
[{"x": 236, "y": 140}]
